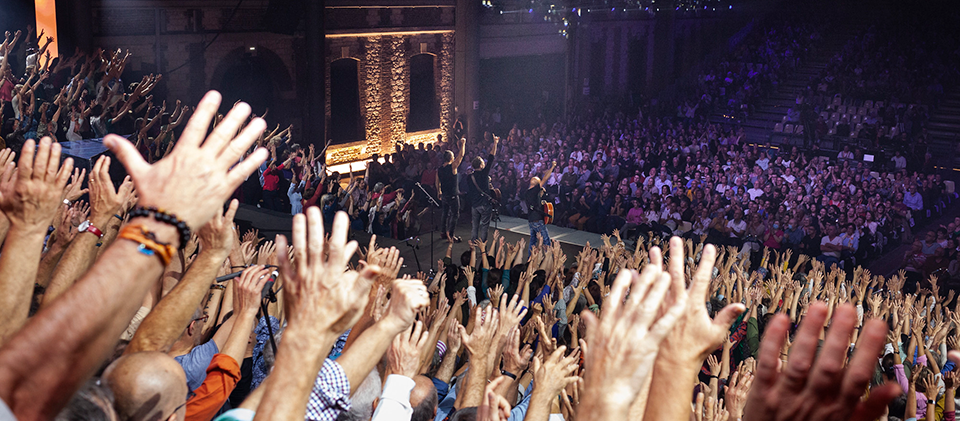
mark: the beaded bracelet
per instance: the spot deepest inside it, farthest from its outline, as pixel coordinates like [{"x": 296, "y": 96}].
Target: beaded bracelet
[
  {"x": 148, "y": 242},
  {"x": 166, "y": 218}
]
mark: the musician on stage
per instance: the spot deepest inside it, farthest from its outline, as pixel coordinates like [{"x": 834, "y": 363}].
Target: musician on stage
[
  {"x": 448, "y": 187},
  {"x": 537, "y": 214},
  {"x": 479, "y": 193}
]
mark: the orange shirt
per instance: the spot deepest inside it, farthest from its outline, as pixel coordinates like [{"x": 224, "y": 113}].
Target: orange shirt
[{"x": 222, "y": 377}]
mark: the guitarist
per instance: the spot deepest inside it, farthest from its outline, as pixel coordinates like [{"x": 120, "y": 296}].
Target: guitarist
[
  {"x": 478, "y": 190},
  {"x": 535, "y": 218}
]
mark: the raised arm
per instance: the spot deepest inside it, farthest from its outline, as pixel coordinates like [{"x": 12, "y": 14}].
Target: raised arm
[
  {"x": 407, "y": 297},
  {"x": 546, "y": 175},
  {"x": 322, "y": 300},
  {"x": 695, "y": 336},
  {"x": 30, "y": 195},
  {"x": 461, "y": 150},
  {"x": 246, "y": 303},
  {"x": 105, "y": 202},
  {"x": 63, "y": 345},
  {"x": 161, "y": 328}
]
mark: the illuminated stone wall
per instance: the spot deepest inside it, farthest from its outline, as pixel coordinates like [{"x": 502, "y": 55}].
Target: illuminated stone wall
[{"x": 384, "y": 66}]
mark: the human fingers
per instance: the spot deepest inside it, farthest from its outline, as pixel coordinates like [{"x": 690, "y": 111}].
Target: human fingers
[
  {"x": 128, "y": 155},
  {"x": 27, "y": 153},
  {"x": 804, "y": 349},
  {"x": 703, "y": 274},
  {"x": 827, "y": 373},
  {"x": 314, "y": 245},
  {"x": 769, "y": 354},
  {"x": 860, "y": 369},
  {"x": 221, "y": 135},
  {"x": 195, "y": 131}
]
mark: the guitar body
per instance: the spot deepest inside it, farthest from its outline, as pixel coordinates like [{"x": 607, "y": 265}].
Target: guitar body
[{"x": 547, "y": 212}]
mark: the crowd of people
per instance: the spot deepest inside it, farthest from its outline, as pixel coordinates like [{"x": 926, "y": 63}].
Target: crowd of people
[
  {"x": 728, "y": 285},
  {"x": 199, "y": 322}
]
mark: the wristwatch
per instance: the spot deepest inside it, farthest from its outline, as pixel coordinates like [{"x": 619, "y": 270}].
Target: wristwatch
[
  {"x": 930, "y": 402},
  {"x": 86, "y": 226}
]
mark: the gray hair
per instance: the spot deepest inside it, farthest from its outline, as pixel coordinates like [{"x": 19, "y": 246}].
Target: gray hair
[{"x": 361, "y": 401}]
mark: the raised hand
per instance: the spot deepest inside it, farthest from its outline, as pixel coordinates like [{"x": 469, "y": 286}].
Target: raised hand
[
  {"x": 825, "y": 389},
  {"x": 249, "y": 285},
  {"x": 403, "y": 356},
  {"x": 407, "y": 297},
  {"x": 736, "y": 394},
  {"x": 515, "y": 360},
  {"x": 493, "y": 407},
  {"x": 219, "y": 235},
  {"x": 478, "y": 344},
  {"x": 201, "y": 172},
  {"x": 252, "y": 236},
  {"x": 105, "y": 200},
  {"x": 73, "y": 190},
  {"x": 30, "y": 196},
  {"x": 319, "y": 291},
  {"x": 623, "y": 344},
  {"x": 551, "y": 376},
  {"x": 267, "y": 249},
  {"x": 31, "y": 192},
  {"x": 695, "y": 334}
]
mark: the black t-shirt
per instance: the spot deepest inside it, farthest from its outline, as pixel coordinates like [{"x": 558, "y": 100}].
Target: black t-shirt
[
  {"x": 448, "y": 182},
  {"x": 532, "y": 197},
  {"x": 482, "y": 178}
]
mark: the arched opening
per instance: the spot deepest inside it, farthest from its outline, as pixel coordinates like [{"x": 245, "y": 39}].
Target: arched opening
[
  {"x": 249, "y": 82},
  {"x": 424, "y": 110},
  {"x": 345, "y": 121},
  {"x": 255, "y": 76}
]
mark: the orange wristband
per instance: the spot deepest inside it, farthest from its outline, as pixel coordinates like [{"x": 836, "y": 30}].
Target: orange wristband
[{"x": 148, "y": 242}]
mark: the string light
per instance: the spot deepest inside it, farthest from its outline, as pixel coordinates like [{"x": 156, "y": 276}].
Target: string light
[{"x": 567, "y": 14}]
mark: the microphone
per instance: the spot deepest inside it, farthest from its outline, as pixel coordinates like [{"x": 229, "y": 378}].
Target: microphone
[
  {"x": 233, "y": 275},
  {"x": 228, "y": 277},
  {"x": 267, "y": 292},
  {"x": 411, "y": 238}
]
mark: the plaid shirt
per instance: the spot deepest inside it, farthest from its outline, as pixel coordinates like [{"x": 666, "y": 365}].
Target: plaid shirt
[{"x": 330, "y": 394}]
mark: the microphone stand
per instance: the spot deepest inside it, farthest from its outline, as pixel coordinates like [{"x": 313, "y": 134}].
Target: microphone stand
[
  {"x": 433, "y": 219},
  {"x": 415, "y": 254}
]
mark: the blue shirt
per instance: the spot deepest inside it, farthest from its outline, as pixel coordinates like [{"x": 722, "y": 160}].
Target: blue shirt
[{"x": 195, "y": 363}]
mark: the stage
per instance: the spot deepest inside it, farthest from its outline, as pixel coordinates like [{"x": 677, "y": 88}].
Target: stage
[{"x": 427, "y": 250}]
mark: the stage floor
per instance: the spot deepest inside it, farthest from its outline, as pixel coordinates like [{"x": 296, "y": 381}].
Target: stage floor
[{"x": 428, "y": 250}]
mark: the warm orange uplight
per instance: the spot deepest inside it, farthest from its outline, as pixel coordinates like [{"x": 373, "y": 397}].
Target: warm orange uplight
[{"x": 47, "y": 22}]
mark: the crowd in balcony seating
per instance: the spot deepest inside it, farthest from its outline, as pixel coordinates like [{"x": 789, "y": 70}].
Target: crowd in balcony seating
[{"x": 882, "y": 86}]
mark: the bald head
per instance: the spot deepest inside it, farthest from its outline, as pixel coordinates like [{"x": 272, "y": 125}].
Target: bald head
[
  {"x": 148, "y": 386},
  {"x": 423, "y": 399}
]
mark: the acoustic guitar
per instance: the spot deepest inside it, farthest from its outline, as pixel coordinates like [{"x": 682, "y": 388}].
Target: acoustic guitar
[{"x": 547, "y": 212}]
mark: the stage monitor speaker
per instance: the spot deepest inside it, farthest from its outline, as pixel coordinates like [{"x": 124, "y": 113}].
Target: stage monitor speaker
[
  {"x": 284, "y": 16},
  {"x": 85, "y": 154}
]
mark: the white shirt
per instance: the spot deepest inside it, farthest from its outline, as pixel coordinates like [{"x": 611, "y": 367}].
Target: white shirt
[
  {"x": 763, "y": 163},
  {"x": 737, "y": 228},
  {"x": 755, "y": 193},
  {"x": 789, "y": 178},
  {"x": 660, "y": 183},
  {"x": 394, "y": 402},
  {"x": 900, "y": 162},
  {"x": 835, "y": 241}
]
